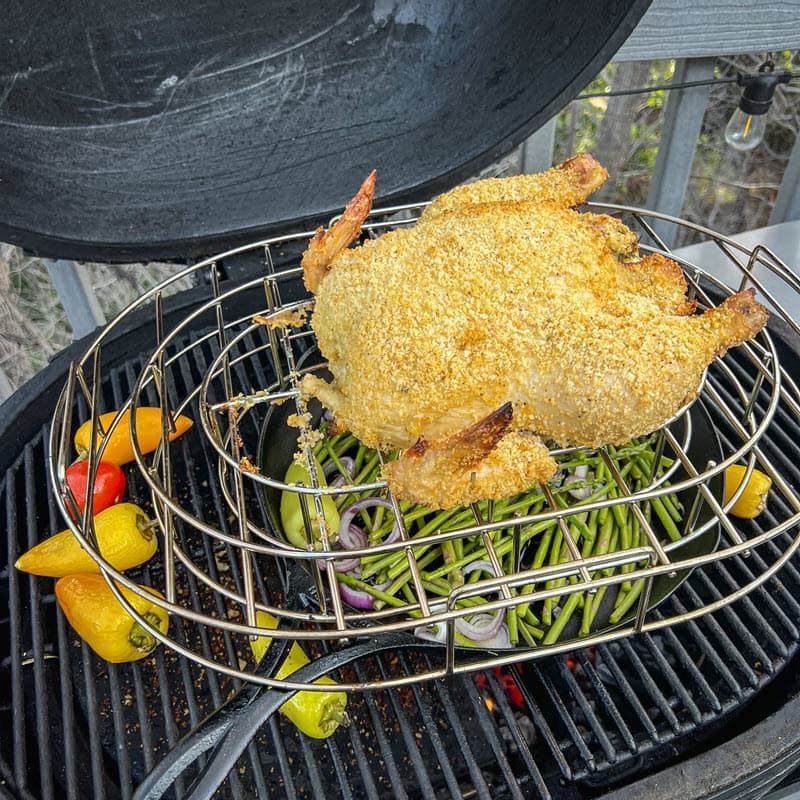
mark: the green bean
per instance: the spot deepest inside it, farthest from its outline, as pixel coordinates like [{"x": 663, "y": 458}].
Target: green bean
[
  {"x": 337, "y": 461},
  {"x": 666, "y": 520},
  {"x": 671, "y": 502},
  {"x": 526, "y": 633},
  {"x": 590, "y": 611},
  {"x": 635, "y": 539},
  {"x": 513, "y": 627},
  {"x": 455, "y": 577},
  {"x": 555, "y": 559},
  {"x": 625, "y": 604},
  {"x": 363, "y": 586},
  {"x": 564, "y": 616}
]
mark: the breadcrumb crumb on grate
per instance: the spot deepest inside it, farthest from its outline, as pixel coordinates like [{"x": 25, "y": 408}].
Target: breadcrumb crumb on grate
[{"x": 289, "y": 318}]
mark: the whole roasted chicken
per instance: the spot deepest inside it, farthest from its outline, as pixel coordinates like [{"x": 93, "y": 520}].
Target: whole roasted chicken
[{"x": 503, "y": 319}]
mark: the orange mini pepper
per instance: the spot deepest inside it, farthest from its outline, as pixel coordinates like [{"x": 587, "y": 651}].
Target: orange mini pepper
[
  {"x": 100, "y": 620},
  {"x": 118, "y": 450}
]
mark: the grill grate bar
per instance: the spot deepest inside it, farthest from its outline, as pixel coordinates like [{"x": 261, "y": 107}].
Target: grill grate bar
[
  {"x": 624, "y": 685},
  {"x": 709, "y": 651},
  {"x": 675, "y": 683},
  {"x": 360, "y": 757},
  {"x": 606, "y": 701},
  {"x": 744, "y": 630},
  {"x": 278, "y": 748},
  {"x": 475, "y": 774},
  {"x": 489, "y": 728},
  {"x": 565, "y": 717},
  {"x": 95, "y": 747},
  {"x": 430, "y": 727},
  {"x": 720, "y": 634},
  {"x": 67, "y": 710},
  {"x": 258, "y": 772},
  {"x": 171, "y": 729},
  {"x": 652, "y": 688},
  {"x": 61, "y": 650},
  {"x": 523, "y": 748},
  {"x": 44, "y": 756},
  {"x": 312, "y": 767},
  {"x": 14, "y": 625},
  {"x": 338, "y": 766},
  {"x": 123, "y": 757},
  {"x": 414, "y": 754},
  {"x": 145, "y": 731},
  {"x": 686, "y": 661},
  {"x": 393, "y": 773},
  {"x": 544, "y": 730},
  {"x": 764, "y": 597},
  {"x": 597, "y": 728}
]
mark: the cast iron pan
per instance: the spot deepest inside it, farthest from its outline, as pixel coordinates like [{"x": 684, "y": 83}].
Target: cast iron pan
[
  {"x": 140, "y": 130},
  {"x": 229, "y": 729}
]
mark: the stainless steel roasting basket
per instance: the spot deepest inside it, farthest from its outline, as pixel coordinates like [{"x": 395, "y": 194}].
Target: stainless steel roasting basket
[{"x": 226, "y": 371}]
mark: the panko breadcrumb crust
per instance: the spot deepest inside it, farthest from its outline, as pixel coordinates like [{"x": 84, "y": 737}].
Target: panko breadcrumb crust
[{"x": 503, "y": 293}]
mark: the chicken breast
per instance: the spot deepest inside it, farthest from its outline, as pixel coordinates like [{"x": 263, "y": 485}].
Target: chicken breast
[{"x": 501, "y": 320}]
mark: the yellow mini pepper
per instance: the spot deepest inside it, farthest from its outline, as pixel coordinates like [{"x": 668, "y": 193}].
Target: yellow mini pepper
[
  {"x": 118, "y": 450},
  {"x": 753, "y": 499},
  {"x": 100, "y": 620},
  {"x": 316, "y": 714},
  {"x": 125, "y": 538}
]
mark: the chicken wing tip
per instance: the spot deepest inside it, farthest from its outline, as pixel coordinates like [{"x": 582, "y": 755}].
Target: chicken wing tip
[{"x": 325, "y": 245}]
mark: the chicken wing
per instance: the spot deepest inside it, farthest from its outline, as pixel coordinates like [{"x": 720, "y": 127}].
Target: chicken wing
[{"x": 502, "y": 319}]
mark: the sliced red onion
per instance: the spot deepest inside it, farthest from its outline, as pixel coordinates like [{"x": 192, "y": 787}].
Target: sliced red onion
[
  {"x": 342, "y": 564},
  {"x": 346, "y": 564},
  {"x": 352, "y": 537},
  {"x": 482, "y": 565},
  {"x": 331, "y": 468},
  {"x": 481, "y": 626},
  {"x": 501, "y": 639},
  {"x": 356, "y": 598},
  {"x": 580, "y": 475},
  {"x": 368, "y": 502},
  {"x": 436, "y": 632}
]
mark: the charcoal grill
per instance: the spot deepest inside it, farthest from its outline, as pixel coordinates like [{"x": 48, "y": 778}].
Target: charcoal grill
[{"x": 603, "y": 713}]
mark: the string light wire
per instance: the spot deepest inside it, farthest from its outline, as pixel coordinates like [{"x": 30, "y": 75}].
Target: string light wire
[{"x": 667, "y": 87}]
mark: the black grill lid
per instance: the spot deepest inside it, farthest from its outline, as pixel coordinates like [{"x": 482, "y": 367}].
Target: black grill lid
[{"x": 136, "y": 129}]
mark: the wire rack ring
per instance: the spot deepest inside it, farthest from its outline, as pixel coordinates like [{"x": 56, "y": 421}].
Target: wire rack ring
[{"x": 225, "y": 365}]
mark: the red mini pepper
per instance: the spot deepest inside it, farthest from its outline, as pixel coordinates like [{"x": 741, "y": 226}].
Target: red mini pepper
[{"x": 108, "y": 489}]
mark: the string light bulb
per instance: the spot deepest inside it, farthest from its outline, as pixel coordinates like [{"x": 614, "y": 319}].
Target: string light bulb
[{"x": 745, "y": 129}]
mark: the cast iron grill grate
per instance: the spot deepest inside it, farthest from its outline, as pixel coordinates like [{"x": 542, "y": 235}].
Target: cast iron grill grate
[{"x": 81, "y": 727}]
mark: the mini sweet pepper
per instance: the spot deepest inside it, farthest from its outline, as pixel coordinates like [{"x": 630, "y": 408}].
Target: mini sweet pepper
[
  {"x": 100, "y": 620},
  {"x": 118, "y": 450},
  {"x": 294, "y": 528},
  {"x": 125, "y": 538},
  {"x": 316, "y": 714}
]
